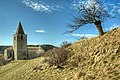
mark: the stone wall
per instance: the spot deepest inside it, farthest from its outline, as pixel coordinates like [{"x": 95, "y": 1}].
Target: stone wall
[
  {"x": 20, "y": 47},
  {"x": 34, "y": 52},
  {"x": 8, "y": 54}
]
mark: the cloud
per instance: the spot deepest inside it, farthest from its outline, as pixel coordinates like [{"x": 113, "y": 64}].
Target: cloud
[
  {"x": 113, "y": 26},
  {"x": 83, "y": 35},
  {"x": 40, "y": 6},
  {"x": 119, "y": 11},
  {"x": 113, "y": 8},
  {"x": 40, "y": 31},
  {"x": 66, "y": 40},
  {"x": 111, "y": 4},
  {"x": 88, "y": 3},
  {"x": 75, "y": 4}
]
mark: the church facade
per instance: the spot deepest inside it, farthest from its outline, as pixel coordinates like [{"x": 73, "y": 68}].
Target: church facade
[{"x": 20, "y": 51}]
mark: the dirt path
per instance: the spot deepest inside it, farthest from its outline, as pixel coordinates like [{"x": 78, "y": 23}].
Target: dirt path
[{"x": 14, "y": 67}]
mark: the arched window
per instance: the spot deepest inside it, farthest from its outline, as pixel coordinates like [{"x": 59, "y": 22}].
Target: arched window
[{"x": 21, "y": 37}]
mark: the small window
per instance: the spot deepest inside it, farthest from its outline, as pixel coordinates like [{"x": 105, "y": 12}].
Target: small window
[{"x": 21, "y": 37}]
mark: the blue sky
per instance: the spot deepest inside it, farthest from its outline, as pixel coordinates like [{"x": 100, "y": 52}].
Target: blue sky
[{"x": 45, "y": 21}]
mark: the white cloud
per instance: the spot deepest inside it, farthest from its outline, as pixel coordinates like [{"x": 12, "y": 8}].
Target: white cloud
[
  {"x": 40, "y": 31},
  {"x": 111, "y": 4},
  {"x": 119, "y": 11},
  {"x": 66, "y": 40},
  {"x": 113, "y": 8},
  {"x": 83, "y": 35},
  {"x": 40, "y": 6},
  {"x": 118, "y": 3},
  {"x": 113, "y": 26},
  {"x": 88, "y": 3}
]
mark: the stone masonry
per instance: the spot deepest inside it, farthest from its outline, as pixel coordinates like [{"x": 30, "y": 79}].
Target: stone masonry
[{"x": 20, "y": 44}]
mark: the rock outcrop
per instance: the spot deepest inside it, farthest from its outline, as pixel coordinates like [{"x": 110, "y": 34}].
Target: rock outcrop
[{"x": 97, "y": 58}]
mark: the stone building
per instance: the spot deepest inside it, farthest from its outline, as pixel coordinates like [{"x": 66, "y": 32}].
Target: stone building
[
  {"x": 20, "y": 44},
  {"x": 20, "y": 51}
]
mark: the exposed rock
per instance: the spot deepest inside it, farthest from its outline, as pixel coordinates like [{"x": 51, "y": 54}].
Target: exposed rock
[{"x": 100, "y": 53}]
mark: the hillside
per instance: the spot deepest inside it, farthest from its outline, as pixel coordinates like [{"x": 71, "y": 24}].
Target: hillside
[
  {"x": 44, "y": 47},
  {"x": 95, "y": 58}
]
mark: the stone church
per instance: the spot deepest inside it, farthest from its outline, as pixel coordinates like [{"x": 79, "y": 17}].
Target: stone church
[{"x": 20, "y": 50}]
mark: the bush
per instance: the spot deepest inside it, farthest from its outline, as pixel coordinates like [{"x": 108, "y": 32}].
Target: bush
[
  {"x": 2, "y": 60},
  {"x": 56, "y": 56},
  {"x": 65, "y": 44},
  {"x": 47, "y": 47}
]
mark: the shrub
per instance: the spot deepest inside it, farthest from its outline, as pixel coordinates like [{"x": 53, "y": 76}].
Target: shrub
[
  {"x": 2, "y": 60},
  {"x": 65, "y": 44},
  {"x": 56, "y": 56},
  {"x": 47, "y": 47}
]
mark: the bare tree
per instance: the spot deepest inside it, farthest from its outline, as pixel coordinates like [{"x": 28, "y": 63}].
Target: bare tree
[{"x": 90, "y": 12}]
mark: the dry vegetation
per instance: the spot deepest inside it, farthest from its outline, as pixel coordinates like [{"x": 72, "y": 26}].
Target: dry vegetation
[
  {"x": 88, "y": 59},
  {"x": 56, "y": 56},
  {"x": 97, "y": 58},
  {"x": 2, "y": 61}
]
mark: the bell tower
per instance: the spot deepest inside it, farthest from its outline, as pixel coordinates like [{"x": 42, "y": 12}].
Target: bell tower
[{"x": 20, "y": 44}]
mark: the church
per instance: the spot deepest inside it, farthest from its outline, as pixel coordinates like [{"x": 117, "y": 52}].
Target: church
[{"x": 20, "y": 50}]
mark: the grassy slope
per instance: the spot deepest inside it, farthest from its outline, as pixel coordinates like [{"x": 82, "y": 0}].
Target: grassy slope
[
  {"x": 31, "y": 70},
  {"x": 97, "y": 58},
  {"x": 92, "y": 59}
]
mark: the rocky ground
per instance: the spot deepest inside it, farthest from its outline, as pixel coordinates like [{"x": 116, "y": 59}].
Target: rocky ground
[{"x": 95, "y": 58}]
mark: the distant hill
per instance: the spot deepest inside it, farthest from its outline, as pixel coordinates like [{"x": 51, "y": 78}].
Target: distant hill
[
  {"x": 47, "y": 47},
  {"x": 95, "y": 58},
  {"x": 44, "y": 46}
]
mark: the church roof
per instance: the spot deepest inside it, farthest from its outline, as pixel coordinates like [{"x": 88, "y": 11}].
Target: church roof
[{"x": 20, "y": 29}]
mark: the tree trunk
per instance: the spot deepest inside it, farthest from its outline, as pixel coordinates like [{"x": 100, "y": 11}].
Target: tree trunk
[{"x": 99, "y": 27}]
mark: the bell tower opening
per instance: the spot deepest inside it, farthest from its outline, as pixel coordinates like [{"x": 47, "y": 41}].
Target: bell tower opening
[{"x": 21, "y": 37}]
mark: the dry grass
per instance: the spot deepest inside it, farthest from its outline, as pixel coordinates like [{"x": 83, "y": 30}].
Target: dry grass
[
  {"x": 90, "y": 59},
  {"x": 56, "y": 56},
  {"x": 2, "y": 60},
  {"x": 98, "y": 57}
]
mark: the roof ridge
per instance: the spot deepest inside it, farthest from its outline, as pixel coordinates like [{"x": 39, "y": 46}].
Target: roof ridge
[{"x": 20, "y": 29}]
